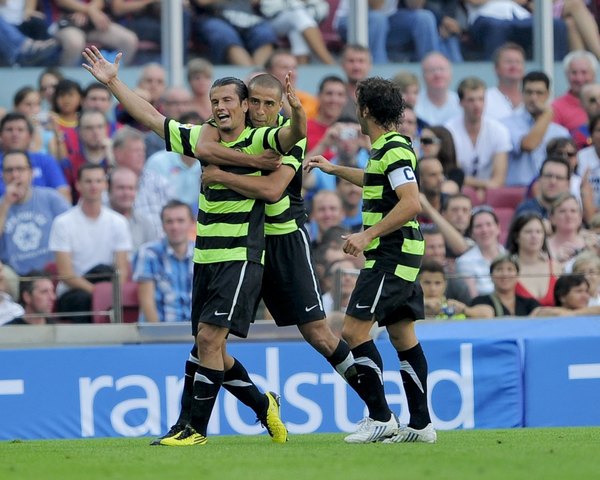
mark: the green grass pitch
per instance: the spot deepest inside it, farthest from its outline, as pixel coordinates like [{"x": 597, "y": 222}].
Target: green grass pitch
[{"x": 549, "y": 453}]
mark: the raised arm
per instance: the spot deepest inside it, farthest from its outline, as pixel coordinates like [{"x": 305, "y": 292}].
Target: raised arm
[
  {"x": 107, "y": 73},
  {"x": 296, "y": 131}
]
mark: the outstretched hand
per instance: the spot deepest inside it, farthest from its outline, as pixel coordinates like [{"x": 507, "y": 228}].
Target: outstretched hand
[
  {"x": 290, "y": 92},
  {"x": 317, "y": 161},
  {"x": 99, "y": 67}
]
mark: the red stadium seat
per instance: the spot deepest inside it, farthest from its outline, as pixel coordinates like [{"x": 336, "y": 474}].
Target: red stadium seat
[
  {"x": 508, "y": 197},
  {"x": 472, "y": 194},
  {"x": 102, "y": 301},
  {"x": 505, "y": 216}
]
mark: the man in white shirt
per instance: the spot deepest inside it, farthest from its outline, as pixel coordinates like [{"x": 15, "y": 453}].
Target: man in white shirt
[
  {"x": 482, "y": 143},
  {"x": 88, "y": 239},
  {"x": 506, "y": 97}
]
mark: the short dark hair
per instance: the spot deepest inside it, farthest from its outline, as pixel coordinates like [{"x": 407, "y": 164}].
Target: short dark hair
[
  {"x": 89, "y": 166},
  {"x": 96, "y": 86},
  {"x": 433, "y": 266},
  {"x": 174, "y": 203},
  {"x": 506, "y": 47},
  {"x": 330, "y": 79},
  {"x": 240, "y": 87},
  {"x": 64, "y": 86},
  {"x": 469, "y": 83},
  {"x": 536, "y": 76},
  {"x": 266, "y": 80},
  {"x": 556, "y": 159},
  {"x": 21, "y": 93},
  {"x": 565, "y": 283},
  {"x": 455, "y": 196},
  {"x": 383, "y": 99},
  {"x": 505, "y": 258},
  {"x": 27, "y": 283},
  {"x": 15, "y": 117},
  {"x": 18, "y": 152}
]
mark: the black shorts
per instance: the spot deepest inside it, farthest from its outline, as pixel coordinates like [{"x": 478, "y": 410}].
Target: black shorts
[
  {"x": 226, "y": 294},
  {"x": 385, "y": 298},
  {"x": 290, "y": 286}
]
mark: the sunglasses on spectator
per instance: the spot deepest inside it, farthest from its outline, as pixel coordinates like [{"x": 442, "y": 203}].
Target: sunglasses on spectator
[{"x": 430, "y": 140}]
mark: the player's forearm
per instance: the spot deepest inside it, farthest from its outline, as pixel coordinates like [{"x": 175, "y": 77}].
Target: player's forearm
[
  {"x": 453, "y": 237},
  {"x": 261, "y": 188},
  {"x": 353, "y": 175},
  {"x": 141, "y": 110},
  {"x": 216, "y": 154}
]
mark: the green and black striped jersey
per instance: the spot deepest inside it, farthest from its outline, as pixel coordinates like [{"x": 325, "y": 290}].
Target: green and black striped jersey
[
  {"x": 399, "y": 252},
  {"x": 230, "y": 227},
  {"x": 288, "y": 213}
]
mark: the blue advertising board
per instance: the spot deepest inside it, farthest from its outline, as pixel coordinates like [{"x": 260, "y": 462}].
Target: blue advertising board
[{"x": 134, "y": 390}]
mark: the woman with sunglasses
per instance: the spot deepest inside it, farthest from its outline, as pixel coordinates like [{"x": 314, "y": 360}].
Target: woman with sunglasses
[{"x": 437, "y": 142}]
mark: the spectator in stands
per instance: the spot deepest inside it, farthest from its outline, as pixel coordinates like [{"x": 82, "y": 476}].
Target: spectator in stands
[
  {"x": 47, "y": 82},
  {"x": 527, "y": 240},
  {"x": 351, "y": 196},
  {"x": 589, "y": 96},
  {"x": 97, "y": 96},
  {"x": 435, "y": 249},
  {"x": 336, "y": 296},
  {"x": 16, "y": 133},
  {"x": 587, "y": 263},
  {"x": 431, "y": 177},
  {"x": 38, "y": 296},
  {"x": 322, "y": 133},
  {"x": 474, "y": 265},
  {"x": 299, "y": 23},
  {"x": 23, "y": 15},
  {"x": 438, "y": 305},
  {"x": 233, "y": 32},
  {"x": 504, "y": 300},
  {"x": 154, "y": 191},
  {"x": 447, "y": 13},
  {"x": 163, "y": 269},
  {"x": 588, "y": 161},
  {"x": 79, "y": 21},
  {"x": 9, "y": 309},
  {"x": 26, "y": 215},
  {"x": 568, "y": 237},
  {"x": 66, "y": 103},
  {"x": 408, "y": 127},
  {"x": 437, "y": 104},
  {"x": 531, "y": 128},
  {"x": 457, "y": 211},
  {"x": 200, "y": 78},
  {"x": 175, "y": 102},
  {"x": 183, "y": 173},
  {"x": 356, "y": 62},
  {"x": 505, "y": 98},
  {"x": 94, "y": 147},
  {"x": 18, "y": 49},
  {"x": 409, "y": 88},
  {"x": 482, "y": 143},
  {"x": 582, "y": 28},
  {"x": 437, "y": 142},
  {"x": 554, "y": 180},
  {"x": 492, "y": 23},
  {"x": 88, "y": 240},
  {"x": 580, "y": 69},
  {"x": 28, "y": 102},
  {"x": 122, "y": 190},
  {"x": 572, "y": 293},
  {"x": 326, "y": 212},
  {"x": 144, "y": 19},
  {"x": 279, "y": 64}
]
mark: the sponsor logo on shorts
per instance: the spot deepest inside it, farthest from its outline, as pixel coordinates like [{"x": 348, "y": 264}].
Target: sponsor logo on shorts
[
  {"x": 219, "y": 314},
  {"x": 308, "y": 309},
  {"x": 358, "y": 305}
]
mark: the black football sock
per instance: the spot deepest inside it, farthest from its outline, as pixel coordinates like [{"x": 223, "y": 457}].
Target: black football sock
[
  {"x": 413, "y": 369},
  {"x": 207, "y": 383},
  {"x": 191, "y": 366},
  {"x": 237, "y": 382},
  {"x": 342, "y": 360}
]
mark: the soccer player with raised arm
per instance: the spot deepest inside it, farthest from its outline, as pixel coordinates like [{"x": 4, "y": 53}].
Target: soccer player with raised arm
[{"x": 387, "y": 290}]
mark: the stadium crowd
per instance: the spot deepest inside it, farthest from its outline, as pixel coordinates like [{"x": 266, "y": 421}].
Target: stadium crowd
[{"x": 509, "y": 177}]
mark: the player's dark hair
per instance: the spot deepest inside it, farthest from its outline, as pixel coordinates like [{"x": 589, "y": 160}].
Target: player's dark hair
[
  {"x": 383, "y": 99},
  {"x": 240, "y": 87}
]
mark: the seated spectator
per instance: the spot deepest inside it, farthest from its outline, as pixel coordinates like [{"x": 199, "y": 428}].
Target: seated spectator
[
  {"x": 482, "y": 143},
  {"x": 587, "y": 263},
  {"x": 457, "y": 212},
  {"x": 435, "y": 249},
  {"x": 16, "y": 133},
  {"x": 26, "y": 215},
  {"x": 474, "y": 265},
  {"x": 531, "y": 128},
  {"x": 582, "y": 28},
  {"x": 437, "y": 103},
  {"x": 279, "y": 64},
  {"x": 568, "y": 237},
  {"x": 449, "y": 22},
  {"x": 504, "y": 300},
  {"x": 431, "y": 177},
  {"x": 326, "y": 212},
  {"x": 9, "y": 309},
  {"x": 563, "y": 147},
  {"x": 527, "y": 241},
  {"x": 322, "y": 134},
  {"x": 97, "y": 96},
  {"x": 47, "y": 82},
  {"x": 66, "y": 103},
  {"x": 200, "y": 78},
  {"x": 351, "y": 196},
  {"x": 409, "y": 88},
  {"x": 588, "y": 165},
  {"x": 28, "y": 102},
  {"x": 18, "y": 49},
  {"x": 79, "y": 22},
  {"x": 589, "y": 97},
  {"x": 572, "y": 293},
  {"x": 437, "y": 142},
  {"x": 90, "y": 243},
  {"x": 37, "y": 298},
  {"x": 492, "y": 23},
  {"x": 340, "y": 280},
  {"x": 438, "y": 306},
  {"x": 299, "y": 22},
  {"x": 553, "y": 182},
  {"x": 122, "y": 190},
  {"x": 356, "y": 63},
  {"x": 233, "y": 32},
  {"x": 163, "y": 269},
  {"x": 580, "y": 69},
  {"x": 408, "y": 128},
  {"x": 505, "y": 98}
]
